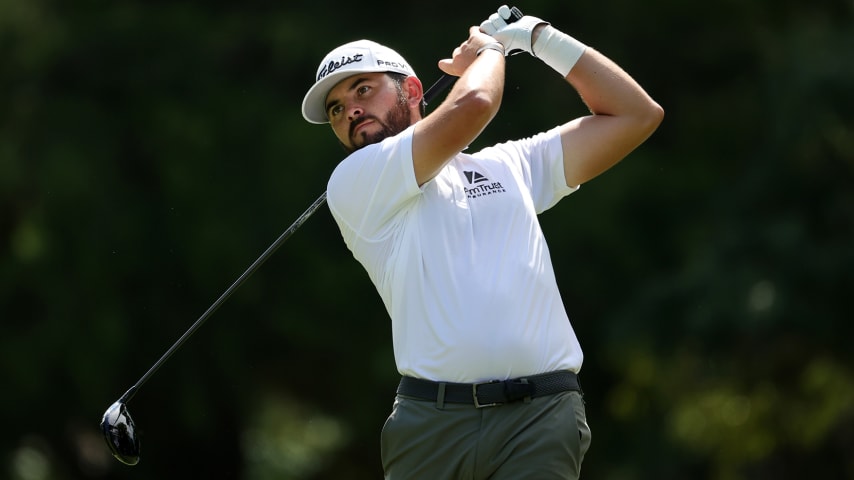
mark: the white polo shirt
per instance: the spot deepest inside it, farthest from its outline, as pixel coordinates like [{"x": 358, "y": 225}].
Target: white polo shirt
[{"x": 461, "y": 263}]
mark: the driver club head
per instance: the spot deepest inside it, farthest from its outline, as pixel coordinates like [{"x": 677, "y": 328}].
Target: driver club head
[{"x": 120, "y": 433}]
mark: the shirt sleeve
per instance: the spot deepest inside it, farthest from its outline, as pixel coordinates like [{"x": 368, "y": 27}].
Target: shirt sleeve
[
  {"x": 538, "y": 160},
  {"x": 369, "y": 187}
]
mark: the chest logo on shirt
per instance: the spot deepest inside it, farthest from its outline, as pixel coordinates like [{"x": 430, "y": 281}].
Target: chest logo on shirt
[{"x": 480, "y": 186}]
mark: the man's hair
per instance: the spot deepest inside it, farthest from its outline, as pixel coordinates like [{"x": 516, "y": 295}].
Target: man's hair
[{"x": 398, "y": 79}]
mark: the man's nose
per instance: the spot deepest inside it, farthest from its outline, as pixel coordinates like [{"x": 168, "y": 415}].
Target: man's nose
[{"x": 355, "y": 112}]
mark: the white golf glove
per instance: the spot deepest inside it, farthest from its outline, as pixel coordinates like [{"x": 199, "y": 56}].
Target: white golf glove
[{"x": 515, "y": 36}]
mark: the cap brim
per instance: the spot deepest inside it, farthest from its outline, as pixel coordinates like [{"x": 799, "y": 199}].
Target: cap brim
[{"x": 314, "y": 103}]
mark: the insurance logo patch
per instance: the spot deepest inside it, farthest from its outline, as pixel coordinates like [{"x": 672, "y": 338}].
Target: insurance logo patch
[{"x": 480, "y": 186}]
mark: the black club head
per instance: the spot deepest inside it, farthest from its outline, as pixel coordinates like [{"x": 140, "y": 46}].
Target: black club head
[{"x": 120, "y": 433}]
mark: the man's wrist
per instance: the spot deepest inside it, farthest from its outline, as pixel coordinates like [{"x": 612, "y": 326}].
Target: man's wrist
[
  {"x": 557, "y": 49},
  {"x": 498, "y": 47}
]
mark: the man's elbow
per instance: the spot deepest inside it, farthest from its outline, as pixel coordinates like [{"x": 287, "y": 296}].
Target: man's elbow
[
  {"x": 652, "y": 117},
  {"x": 480, "y": 105}
]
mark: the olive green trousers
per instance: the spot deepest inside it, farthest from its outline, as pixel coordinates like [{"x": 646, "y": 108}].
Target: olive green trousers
[{"x": 542, "y": 438}]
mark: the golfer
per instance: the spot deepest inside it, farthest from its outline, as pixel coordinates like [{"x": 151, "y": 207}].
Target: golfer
[{"x": 451, "y": 240}]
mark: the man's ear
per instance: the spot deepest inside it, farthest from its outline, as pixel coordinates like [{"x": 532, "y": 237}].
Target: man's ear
[{"x": 414, "y": 91}]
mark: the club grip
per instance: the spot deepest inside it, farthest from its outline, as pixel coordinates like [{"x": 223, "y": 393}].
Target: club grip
[{"x": 445, "y": 81}]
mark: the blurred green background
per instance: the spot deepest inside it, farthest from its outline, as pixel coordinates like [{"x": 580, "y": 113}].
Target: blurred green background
[{"x": 150, "y": 151}]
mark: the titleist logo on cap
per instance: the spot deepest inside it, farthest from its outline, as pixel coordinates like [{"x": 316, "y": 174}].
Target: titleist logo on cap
[{"x": 335, "y": 65}]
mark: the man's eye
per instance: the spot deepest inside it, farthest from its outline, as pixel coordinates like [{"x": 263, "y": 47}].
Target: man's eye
[
  {"x": 363, "y": 89},
  {"x": 335, "y": 110}
]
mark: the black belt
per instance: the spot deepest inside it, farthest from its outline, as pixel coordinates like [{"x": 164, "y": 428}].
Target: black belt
[{"x": 488, "y": 394}]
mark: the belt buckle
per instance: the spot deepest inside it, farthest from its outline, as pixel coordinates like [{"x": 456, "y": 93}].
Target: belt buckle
[{"x": 477, "y": 404}]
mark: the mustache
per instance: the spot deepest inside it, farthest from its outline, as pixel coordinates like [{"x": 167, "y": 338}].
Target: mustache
[{"x": 355, "y": 123}]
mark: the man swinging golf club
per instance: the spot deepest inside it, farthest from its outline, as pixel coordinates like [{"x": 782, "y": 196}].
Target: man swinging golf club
[{"x": 452, "y": 243}]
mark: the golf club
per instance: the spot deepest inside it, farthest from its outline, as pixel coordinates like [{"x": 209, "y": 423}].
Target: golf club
[{"x": 117, "y": 425}]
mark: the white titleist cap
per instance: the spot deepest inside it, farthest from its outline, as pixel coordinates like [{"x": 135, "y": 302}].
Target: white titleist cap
[{"x": 349, "y": 59}]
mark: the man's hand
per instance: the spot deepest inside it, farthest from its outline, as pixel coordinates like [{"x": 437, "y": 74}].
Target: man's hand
[
  {"x": 464, "y": 55},
  {"x": 515, "y": 36}
]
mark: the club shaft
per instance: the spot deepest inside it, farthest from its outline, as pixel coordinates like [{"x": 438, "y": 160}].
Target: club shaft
[
  {"x": 228, "y": 292},
  {"x": 443, "y": 83}
]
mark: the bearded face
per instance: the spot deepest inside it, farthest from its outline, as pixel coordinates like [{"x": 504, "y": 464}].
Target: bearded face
[{"x": 396, "y": 120}]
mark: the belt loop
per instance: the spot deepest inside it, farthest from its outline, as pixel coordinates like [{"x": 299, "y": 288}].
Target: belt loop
[
  {"x": 440, "y": 396},
  {"x": 527, "y": 399}
]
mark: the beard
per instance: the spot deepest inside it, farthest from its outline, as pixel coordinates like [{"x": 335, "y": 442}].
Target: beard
[{"x": 396, "y": 120}]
